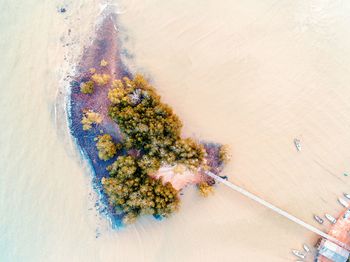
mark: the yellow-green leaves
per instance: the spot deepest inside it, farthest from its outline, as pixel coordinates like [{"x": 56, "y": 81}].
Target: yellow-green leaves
[
  {"x": 106, "y": 147},
  {"x": 89, "y": 118},
  {"x": 136, "y": 193},
  {"x": 149, "y": 124},
  {"x": 124, "y": 166},
  {"x": 87, "y": 87}
]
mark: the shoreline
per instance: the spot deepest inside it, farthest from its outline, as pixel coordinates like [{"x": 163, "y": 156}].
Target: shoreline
[
  {"x": 257, "y": 77},
  {"x": 88, "y": 151},
  {"x": 105, "y": 47}
]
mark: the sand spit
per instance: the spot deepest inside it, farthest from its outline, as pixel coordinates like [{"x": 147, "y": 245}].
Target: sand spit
[{"x": 101, "y": 61}]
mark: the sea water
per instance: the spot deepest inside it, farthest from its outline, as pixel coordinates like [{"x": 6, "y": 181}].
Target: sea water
[{"x": 250, "y": 74}]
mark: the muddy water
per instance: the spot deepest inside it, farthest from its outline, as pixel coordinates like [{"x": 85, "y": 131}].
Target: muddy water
[{"x": 249, "y": 74}]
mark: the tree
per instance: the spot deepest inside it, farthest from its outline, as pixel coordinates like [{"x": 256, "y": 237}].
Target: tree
[
  {"x": 106, "y": 147},
  {"x": 100, "y": 79},
  {"x": 87, "y": 87},
  {"x": 205, "y": 189},
  {"x": 89, "y": 118}
]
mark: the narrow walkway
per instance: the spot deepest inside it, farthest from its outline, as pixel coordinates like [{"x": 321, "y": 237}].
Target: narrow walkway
[{"x": 277, "y": 210}]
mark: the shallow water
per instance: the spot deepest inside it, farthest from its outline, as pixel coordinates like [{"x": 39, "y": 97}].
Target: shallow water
[{"x": 250, "y": 74}]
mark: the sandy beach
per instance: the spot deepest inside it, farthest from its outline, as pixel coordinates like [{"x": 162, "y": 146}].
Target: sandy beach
[{"x": 248, "y": 74}]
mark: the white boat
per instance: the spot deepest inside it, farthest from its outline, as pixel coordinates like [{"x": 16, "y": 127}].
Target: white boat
[
  {"x": 306, "y": 248},
  {"x": 318, "y": 219},
  {"x": 298, "y": 253},
  {"x": 347, "y": 214},
  {"x": 330, "y": 218},
  {"x": 297, "y": 144},
  {"x": 347, "y": 195},
  {"x": 343, "y": 202}
]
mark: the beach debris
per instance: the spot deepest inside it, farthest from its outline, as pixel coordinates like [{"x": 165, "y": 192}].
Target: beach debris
[
  {"x": 346, "y": 195},
  {"x": 298, "y": 253},
  {"x": 343, "y": 202},
  {"x": 330, "y": 218},
  {"x": 346, "y": 174},
  {"x": 306, "y": 248},
  {"x": 318, "y": 219},
  {"x": 297, "y": 144}
]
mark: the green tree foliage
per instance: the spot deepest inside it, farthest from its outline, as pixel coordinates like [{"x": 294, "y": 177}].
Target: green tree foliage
[
  {"x": 224, "y": 155},
  {"x": 90, "y": 118},
  {"x": 205, "y": 189},
  {"x": 134, "y": 192},
  {"x": 151, "y": 128},
  {"x": 87, "y": 87},
  {"x": 151, "y": 125},
  {"x": 106, "y": 147},
  {"x": 124, "y": 167}
]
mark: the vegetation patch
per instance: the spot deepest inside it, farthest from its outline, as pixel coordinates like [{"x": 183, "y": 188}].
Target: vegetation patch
[
  {"x": 87, "y": 87},
  {"x": 151, "y": 138},
  {"x": 106, "y": 147},
  {"x": 89, "y": 118},
  {"x": 134, "y": 193}
]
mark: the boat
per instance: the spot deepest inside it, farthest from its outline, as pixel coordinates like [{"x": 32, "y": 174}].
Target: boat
[
  {"x": 343, "y": 202},
  {"x": 298, "y": 253},
  {"x": 306, "y": 248},
  {"x": 347, "y": 214},
  {"x": 318, "y": 219},
  {"x": 347, "y": 195},
  {"x": 330, "y": 218},
  {"x": 297, "y": 144}
]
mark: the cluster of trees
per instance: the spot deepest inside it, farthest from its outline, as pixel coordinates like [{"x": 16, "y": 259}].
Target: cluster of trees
[
  {"x": 100, "y": 79},
  {"x": 135, "y": 193},
  {"x": 150, "y": 125}
]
